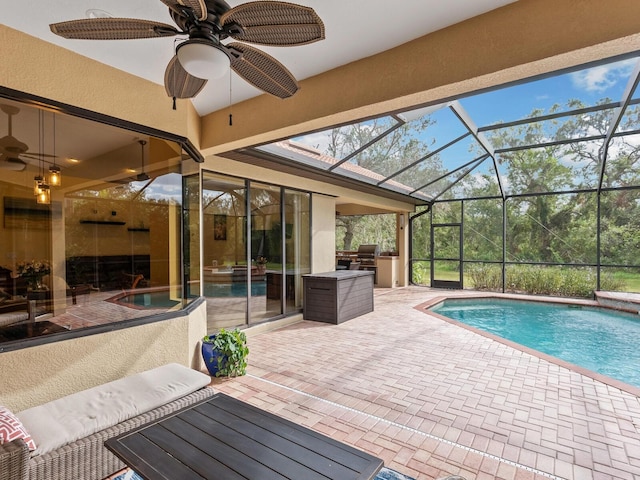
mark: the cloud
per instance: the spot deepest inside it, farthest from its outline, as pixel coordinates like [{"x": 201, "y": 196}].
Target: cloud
[{"x": 598, "y": 79}]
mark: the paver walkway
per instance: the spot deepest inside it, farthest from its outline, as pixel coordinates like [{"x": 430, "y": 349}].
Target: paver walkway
[{"x": 434, "y": 399}]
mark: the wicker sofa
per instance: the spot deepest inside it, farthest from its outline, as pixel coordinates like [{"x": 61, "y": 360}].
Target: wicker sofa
[
  {"x": 16, "y": 311},
  {"x": 73, "y": 448}
]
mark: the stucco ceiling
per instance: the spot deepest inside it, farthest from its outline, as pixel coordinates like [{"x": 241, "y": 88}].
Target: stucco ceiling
[{"x": 354, "y": 29}]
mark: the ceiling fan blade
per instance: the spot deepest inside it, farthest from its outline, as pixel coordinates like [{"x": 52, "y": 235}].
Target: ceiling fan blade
[
  {"x": 198, "y": 7},
  {"x": 178, "y": 83},
  {"x": 262, "y": 71},
  {"x": 274, "y": 23},
  {"x": 12, "y": 163},
  {"x": 112, "y": 29},
  {"x": 37, "y": 156}
]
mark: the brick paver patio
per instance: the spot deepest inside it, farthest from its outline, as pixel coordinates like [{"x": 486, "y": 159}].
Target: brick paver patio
[{"x": 434, "y": 399}]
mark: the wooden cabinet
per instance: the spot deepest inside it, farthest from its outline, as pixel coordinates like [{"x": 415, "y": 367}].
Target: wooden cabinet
[{"x": 335, "y": 297}]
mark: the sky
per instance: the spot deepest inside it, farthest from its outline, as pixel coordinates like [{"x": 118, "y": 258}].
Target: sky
[
  {"x": 513, "y": 103},
  {"x": 516, "y": 102}
]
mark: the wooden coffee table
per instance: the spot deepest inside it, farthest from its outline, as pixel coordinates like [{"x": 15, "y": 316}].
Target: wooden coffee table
[{"x": 224, "y": 438}]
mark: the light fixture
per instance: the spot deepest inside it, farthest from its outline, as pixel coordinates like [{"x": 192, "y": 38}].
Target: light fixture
[
  {"x": 202, "y": 58},
  {"x": 142, "y": 176},
  {"x": 44, "y": 197},
  {"x": 55, "y": 177},
  {"x": 97, "y": 13},
  {"x": 38, "y": 180},
  {"x": 401, "y": 221}
]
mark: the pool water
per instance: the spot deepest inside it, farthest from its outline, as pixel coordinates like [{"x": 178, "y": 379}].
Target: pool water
[
  {"x": 600, "y": 340},
  {"x": 238, "y": 289},
  {"x": 159, "y": 299}
]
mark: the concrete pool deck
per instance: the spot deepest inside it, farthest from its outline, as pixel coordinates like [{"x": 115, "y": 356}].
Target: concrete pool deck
[{"x": 433, "y": 399}]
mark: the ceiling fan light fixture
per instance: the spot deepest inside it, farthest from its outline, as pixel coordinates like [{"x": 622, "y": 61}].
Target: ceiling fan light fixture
[
  {"x": 202, "y": 59},
  {"x": 97, "y": 13},
  {"x": 12, "y": 163}
]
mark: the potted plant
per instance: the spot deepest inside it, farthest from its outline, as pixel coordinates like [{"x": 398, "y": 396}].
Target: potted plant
[
  {"x": 225, "y": 353},
  {"x": 33, "y": 272},
  {"x": 261, "y": 264}
]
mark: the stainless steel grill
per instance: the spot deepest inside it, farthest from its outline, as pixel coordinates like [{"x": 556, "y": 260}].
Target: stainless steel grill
[{"x": 367, "y": 254}]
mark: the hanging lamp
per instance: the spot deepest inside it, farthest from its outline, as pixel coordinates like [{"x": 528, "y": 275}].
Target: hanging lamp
[
  {"x": 55, "y": 175},
  {"x": 43, "y": 195}
]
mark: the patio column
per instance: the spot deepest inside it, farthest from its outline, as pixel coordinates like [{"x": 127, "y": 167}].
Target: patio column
[{"x": 402, "y": 244}]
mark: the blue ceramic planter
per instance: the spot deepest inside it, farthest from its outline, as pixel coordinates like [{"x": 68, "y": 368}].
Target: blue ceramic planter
[{"x": 210, "y": 357}]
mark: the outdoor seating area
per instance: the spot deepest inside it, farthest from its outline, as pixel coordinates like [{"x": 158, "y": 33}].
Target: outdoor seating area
[
  {"x": 64, "y": 438},
  {"x": 428, "y": 398},
  {"x": 428, "y": 231}
]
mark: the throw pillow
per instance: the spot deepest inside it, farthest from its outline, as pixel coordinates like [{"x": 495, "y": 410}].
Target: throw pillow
[{"x": 11, "y": 428}]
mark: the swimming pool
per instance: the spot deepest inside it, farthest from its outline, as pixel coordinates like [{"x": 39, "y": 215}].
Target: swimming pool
[
  {"x": 601, "y": 340},
  {"x": 238, "y": 289},
  {"x": 147, "y": 299}
]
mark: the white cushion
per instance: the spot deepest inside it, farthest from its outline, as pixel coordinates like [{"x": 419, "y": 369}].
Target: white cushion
[{"x": 75, "y": 416}]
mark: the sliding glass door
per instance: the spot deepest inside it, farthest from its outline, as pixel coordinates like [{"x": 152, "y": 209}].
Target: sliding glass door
[
  {"x": 266, "y": 251},
  {"x": 224, "y": 250},
  {"x": 256, "y": 247}
]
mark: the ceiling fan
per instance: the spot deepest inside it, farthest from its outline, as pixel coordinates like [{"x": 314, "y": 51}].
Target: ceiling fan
[
  {"x": 207, "y": 23},
  {"x": 13, "y": 152}
]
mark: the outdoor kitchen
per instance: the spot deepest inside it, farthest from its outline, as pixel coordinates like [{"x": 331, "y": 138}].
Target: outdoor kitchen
[{"x": 368, "y": 257}]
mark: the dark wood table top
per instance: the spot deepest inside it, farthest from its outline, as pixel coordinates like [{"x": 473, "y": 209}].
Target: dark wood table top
[{"x": 223, "y": 438}]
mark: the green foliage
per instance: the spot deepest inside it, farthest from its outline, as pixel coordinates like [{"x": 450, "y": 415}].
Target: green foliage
[
  {"x": 421, "y": 273},
  {"x": 232, "y": 349},
  {"x": 353, "y": 231},
  {"x": 627, "y": 280},
  {"x": 538, "y": 280},
  {"x": 483, "y": 276}
]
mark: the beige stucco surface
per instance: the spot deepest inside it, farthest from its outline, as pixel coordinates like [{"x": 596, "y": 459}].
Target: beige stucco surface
[
  {"x": 33, "y": 376},
  {"x": 323, "y": 235},
  {"x": 40, "y": 68}
]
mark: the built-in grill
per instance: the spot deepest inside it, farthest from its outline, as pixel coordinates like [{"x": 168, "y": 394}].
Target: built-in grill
[{"x": 367, "y": 254}]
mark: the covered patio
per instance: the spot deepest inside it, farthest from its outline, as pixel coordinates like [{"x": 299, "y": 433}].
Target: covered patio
[{"x": 434, "y": 399}]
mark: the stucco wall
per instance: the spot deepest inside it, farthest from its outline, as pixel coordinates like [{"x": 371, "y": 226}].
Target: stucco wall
[
  {"x": 323, "y": 236},
  {"x": 32, "y": 376},
  {"x": 40, "y": 68}
]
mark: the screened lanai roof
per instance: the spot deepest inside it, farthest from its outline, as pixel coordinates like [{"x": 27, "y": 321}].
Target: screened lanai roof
[{"x": 574, "y": 131}]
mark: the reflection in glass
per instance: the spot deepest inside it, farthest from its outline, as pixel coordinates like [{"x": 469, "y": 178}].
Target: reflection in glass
[
  {"x": 106, "y": 248},
  {"x": 224, "y": 250},
  {"x": 266, "y": 251},
  {"x": 297, "y": 210}
]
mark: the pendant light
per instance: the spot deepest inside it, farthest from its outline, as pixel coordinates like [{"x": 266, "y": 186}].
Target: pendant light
[
  {"x": 142, "y": 176},
  {"x": 44, "y": 197},
  {"x": 44, "y": 193},
  {"x": 55, "y": 176},
  {"x": 37, "y": 181}
]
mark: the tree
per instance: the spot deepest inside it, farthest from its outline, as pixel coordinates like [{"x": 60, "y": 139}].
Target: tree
[{"x": 388, "y": 150}]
